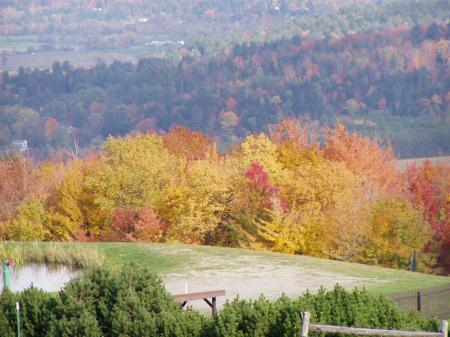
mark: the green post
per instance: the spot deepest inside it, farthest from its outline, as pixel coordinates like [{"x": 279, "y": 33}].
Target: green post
[
  {"x": 413, "y": 262},
  {"x": 18, "y": 318},
  {"x": 6, "y": 275}
]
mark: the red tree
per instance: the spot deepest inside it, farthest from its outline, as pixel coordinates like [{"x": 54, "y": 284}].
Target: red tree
[{"x": 428, "y": 188}]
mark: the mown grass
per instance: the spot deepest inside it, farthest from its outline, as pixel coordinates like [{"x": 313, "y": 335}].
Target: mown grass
[
  {"x": 379, "y": 280},
  {"x": 177, "y": 258}
]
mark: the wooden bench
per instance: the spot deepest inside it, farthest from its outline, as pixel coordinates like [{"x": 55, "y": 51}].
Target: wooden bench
[{"x": 206, "y": 295}]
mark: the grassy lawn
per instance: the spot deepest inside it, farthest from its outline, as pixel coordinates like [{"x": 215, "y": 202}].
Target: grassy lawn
[
  {"x": 180, "y": 261},
  {"x": 240, "y": 272}
]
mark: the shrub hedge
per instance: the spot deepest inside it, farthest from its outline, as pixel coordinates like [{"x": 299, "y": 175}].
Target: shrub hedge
[{"x": 133, "y": 302}]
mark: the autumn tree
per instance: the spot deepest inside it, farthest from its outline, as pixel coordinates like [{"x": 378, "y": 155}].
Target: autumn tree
[
  {"x": 14, "y": 173},
  {"x": 188, "y": 144},
  {"x": 428, "y": 188},
  {"x": 294, "y": 131},
  {"x": 30, "y": 222},
  {"x": 396, "y": 231},
  {"x": 129, "y": 173},
  {"x": 66, "y": 216},
  {"x": 257, "y": 196},
  {"x": 374, "y": 165},
  {"x": 135, "y": 225},
  {"x": 198, "y": 200}
]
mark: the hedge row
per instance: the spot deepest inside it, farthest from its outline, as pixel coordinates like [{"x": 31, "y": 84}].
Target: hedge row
[{"x": 133, "y": 302}]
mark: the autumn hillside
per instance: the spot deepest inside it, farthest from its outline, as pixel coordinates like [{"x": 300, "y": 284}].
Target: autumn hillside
[
  {"x": 391, "y": 84},
  {"x": 73, "y": 25},
  {"x": 344, "y": 199}
]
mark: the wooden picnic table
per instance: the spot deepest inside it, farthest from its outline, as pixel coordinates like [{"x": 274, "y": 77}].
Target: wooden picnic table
[{"x": 205, "y": 295}]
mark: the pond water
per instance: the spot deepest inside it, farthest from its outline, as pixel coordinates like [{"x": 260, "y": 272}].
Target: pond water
[{"x": 48, "y": 278}]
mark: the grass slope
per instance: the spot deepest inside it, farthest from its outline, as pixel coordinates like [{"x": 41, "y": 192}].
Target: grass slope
[{"x": 249, "y": 272}]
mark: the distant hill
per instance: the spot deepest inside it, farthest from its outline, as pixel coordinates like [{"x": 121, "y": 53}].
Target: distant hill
[
  {"x": 403, "y": 163},
  {"x": 392, "y": 84},
  {"x": 52, "y": 30},
  {"x": 102, "y": 24}
]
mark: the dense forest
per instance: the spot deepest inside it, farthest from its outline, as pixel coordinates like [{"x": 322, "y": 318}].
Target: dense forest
[
  {"x": 99, "y": 24},
  {"x": 365, "y": 18},
  {"x": 392, "y": 84},
  {"x": 205, "y": 26},
  {"x": 344, "y": 199}
]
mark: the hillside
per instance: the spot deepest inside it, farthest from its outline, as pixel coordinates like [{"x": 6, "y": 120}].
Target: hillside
[
  {"x": 361, "y": 17},
  {"x": 250, "y": 273},
  {"x": 40, "y": 26},
  {"x": 392, "y": 84},
  {"x": 33, "y": 34}
]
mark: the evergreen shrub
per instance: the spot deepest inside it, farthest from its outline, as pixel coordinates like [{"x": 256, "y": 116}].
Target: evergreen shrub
[{"x": 133, "y": 302}]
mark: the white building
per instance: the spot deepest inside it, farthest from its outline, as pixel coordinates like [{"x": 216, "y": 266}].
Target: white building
[{"x": 20, "y": 145}]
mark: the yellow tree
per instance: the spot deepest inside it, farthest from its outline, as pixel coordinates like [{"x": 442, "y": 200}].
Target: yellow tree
[
  {"x": 314, "y": 188},
  {"x": 65, "y": 216},
  {"x": 199, "y": 200},
  {"x": 259, "y": 149},
  {"x": 30, "y": 222},
  {"x": 284, "y": 231},
  {"x": 129, "y": 173},
  {"x": 396, "y": 231}
]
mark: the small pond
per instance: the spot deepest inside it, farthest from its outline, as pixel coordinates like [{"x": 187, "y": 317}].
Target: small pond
[{"x": 45, "y": 277}]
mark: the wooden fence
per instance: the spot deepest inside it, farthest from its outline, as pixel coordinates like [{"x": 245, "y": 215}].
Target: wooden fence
[
  {"x": 431, "y": 302},
  {"x": 306, "y": 327}
]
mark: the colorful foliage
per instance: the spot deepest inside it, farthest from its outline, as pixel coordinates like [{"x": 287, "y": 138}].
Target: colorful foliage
[
  {"x": 364, "y": 157},
  {"x": 30, "y": 222},
  {"x": 135, "y": 225},
  {"x": 285, "y": 193},
  {"x": 188, "y": 144},
  {"x": 428, "y": 189},
  {"x": 397, "y": 230}
]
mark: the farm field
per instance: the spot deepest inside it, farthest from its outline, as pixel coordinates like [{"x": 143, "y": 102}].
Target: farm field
[
  {"x": 44, "y": 60},
  {"x": 403, "y": 163},
  {"x": 250, "y": 273}
]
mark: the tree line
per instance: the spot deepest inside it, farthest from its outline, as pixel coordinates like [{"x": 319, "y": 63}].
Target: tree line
[{"x": 344, "y": 199}]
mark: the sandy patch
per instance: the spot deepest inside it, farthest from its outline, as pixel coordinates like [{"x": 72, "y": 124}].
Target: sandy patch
[{"x": 251, "y": 276}]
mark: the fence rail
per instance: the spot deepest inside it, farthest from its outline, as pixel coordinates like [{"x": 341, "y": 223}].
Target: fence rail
[
  {"x": 432, "y": 302},
  {"x": 306, "y": 327}
]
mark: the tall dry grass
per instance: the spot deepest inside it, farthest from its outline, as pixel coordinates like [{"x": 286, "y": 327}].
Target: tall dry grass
[{"x": 74, "y": 255}]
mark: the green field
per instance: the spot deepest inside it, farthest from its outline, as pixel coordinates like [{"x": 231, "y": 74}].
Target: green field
[
  {"x": 245, "y": 272},
  {"x": 44, "y": 60},
  {"x": 16, "y": 55}
]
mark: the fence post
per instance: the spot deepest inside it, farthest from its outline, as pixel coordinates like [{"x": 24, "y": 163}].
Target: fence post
[
  {"x": 305, "y": 324},
  {"x": 18, "y": 319},
  {"x": 444, "y": 328},
  {"x": 419, "y": 300},
  {"x": 6, "y": 274}
]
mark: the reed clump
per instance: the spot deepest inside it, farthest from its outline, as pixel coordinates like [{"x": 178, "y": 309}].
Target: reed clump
[{"x": 74, "y": 255}]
